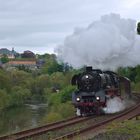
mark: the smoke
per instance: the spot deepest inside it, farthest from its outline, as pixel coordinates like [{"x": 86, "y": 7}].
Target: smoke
[
  {"x": 116, "y": 104},
  {"x": 108, "y": 43}
]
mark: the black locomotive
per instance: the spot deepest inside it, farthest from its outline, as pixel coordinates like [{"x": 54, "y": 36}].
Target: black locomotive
[{"x": 94, "y": 88}]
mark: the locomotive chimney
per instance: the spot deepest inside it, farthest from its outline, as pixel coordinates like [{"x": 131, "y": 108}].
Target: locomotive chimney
[{"x": 89, "y": 68}]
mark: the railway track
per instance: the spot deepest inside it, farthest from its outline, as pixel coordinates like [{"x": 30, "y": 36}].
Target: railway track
[
  {"x": 44, "y": 129},
  {"x": 137, "y": 94},
  {"x": 128, "y": 114}
]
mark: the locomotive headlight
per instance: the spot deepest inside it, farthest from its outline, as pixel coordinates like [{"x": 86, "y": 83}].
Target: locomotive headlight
[
  {"x": 87, "y": 77},
  {"x": 97, "y": 98},
  {"x": 78, "y": 99}
]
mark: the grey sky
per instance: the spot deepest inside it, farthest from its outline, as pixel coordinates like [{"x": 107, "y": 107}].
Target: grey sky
[{"x": 41, "y": 25}]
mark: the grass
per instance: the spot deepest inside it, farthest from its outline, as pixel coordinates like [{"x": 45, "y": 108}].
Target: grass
[
  {"x": 59, "y": 112},
  {"x": 128, "y": 130}
]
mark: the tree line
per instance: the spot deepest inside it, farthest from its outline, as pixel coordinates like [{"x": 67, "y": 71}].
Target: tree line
[
  {"x": 19, "y": 85},
  {"x": 49, "y": 84}
]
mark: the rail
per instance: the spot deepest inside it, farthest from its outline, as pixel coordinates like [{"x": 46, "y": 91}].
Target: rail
[
  {"x": 61, "y": 124},
  {"x": 128, "y": 114},
  {"x": 43, "y": 129}
]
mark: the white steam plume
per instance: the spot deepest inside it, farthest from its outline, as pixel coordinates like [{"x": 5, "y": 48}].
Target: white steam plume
[
  {"x": 116, "y": 104},
  {"x": 108, "y": 43}
]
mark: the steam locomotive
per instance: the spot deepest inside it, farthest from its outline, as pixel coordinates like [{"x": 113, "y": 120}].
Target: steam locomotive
[{"x": 94, "y": 88}]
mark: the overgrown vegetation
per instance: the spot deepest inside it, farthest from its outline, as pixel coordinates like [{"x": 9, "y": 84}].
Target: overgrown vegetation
[
  {"x": 60, "y": 105},
  {"x": 20, "y": 85},
  {"x": 133, "y": 74},
  {"x": 128, "y": 130},
  {"x": 4, "y": 59},
  {"x": 49, "y": 84}
]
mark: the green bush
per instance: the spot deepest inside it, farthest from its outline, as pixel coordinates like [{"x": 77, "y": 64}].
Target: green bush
[
  {"x": 130, "y": 128},
  {"x": 5, "y": 81},
  {"x": 136, "y": 87},
  {"x": 67, "y": 110},
  {"x": 19, "y": 95},
  {"x": 60, "y": 103},
  {"x": 66, "y": 94},
  {"x": 4, "y": 99},
  {"x": 52, "y": 117},
  {"x": 59, "y": 112},
  {"x": 4, "y": 59},
  {"x": 54, "y": 99}
]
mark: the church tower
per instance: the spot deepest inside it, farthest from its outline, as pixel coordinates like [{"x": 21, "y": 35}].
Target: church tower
[{"x": 12, "y": 53}]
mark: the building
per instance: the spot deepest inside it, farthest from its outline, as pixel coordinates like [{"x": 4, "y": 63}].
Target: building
[
  {"x": 8, "y": 53},
  {"x": 28, "y": 54},
  {"x": 31, "y": 64},
  {"x": 40, "y": 63}
]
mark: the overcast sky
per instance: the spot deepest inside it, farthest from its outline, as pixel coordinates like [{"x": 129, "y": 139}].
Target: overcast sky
[{"x": 41, "y": 25}]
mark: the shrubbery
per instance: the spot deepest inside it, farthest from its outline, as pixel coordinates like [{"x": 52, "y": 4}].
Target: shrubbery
[
  {"x": 128, "y": 130},
  {"x": 19, "y": 85},
  {"x": 59, "y": 112},
  {"x": 133, "y": 74},
  {"x": 51, "y": 85},
  {"x": 60, "y": 103},
  {"x": 52, "y": 117},
  {"x": 4, "y": 99}
]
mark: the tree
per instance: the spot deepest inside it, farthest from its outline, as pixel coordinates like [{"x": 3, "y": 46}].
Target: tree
[
  {"x": 4, "y": 81},
  {"x": 66, "y": 94},
  {"x": 19, "y": 95},
  {"x": 128, "y": 72},
  {"x": 4, "y": 99},
  {"x": 4, "y": 59},
  {"x": 51, "y": 65},
  {"x": 21, "y": 78},
  {"x": 137, "y": 78},
  {"x": 44, "y": 56},
  {"x": 138, "y": 28},
  {"x": 57, "y": 80},
  {"x": 39, "y": 85}
]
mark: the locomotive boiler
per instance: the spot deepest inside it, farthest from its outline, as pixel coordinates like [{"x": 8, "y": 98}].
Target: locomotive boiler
[{"x": 94, "y": 88}]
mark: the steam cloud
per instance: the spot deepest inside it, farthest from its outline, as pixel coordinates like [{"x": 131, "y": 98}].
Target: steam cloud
[
  {"x": 108, "y": 43},
  {"x": 116, "y": 104}
]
